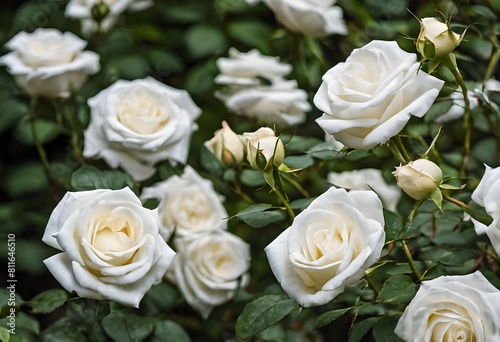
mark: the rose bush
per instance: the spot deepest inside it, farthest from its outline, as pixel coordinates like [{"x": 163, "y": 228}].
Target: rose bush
[
  {"x": 49, "y": 63},
  {"x": 210, "y": 269},
  {"x": 370, "y": 97},
  {"x": 453, "y": 308},
  {"x": 188, "y": 205},
  {"x": 135, "y": 124},
  {"x": 111, "y": 248},
  {"x": 328, "y": 246}
]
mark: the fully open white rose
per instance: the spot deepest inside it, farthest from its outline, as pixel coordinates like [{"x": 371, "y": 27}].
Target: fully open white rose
[
  {"x": 328, "y": 246},
  {"x": 188, "y": 204},
  {"x": 210, "y": 269},
  {"x": 370, "y": 97},
  {"x": 453, "y": 308},
  {"x": 486, "y": 195},
  {"x": 315, "y": 18},
  {"x": 135, "y": 124},
  {"x": 110, "y": 243},
  {"x": 49, "y": 63},
  {"x": 82, "y": 9},
  {"x": 368, "y": 179}
]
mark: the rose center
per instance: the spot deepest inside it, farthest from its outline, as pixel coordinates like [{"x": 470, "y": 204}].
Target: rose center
[{"x": 113, "y": 235}]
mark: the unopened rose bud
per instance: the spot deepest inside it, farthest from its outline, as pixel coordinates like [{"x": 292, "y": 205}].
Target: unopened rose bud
[
  {"x": 227, "y": 146},
  {"x": 264, "y": 149},
  {"x": 99, "y": 11},
  {"x": 436, "y": 40},
  {"x": 419, "y": 179}
]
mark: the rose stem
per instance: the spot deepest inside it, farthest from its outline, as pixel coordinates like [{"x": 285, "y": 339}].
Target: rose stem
[
  {"x": 401, "y": 148},
  {"x": 395, "y": 151},
  {"x": 297, "y": 186},
  {"x": 285, "y": 203},
  {"x": 371, "y": 283},
  {"x": 410, "y": 259}
]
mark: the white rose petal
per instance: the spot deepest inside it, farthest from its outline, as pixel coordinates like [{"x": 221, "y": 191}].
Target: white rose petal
[
  {"x": 453, "y": 308},
  {"x": 111, "y": 246},
  {"x": 135, "y": 124},
  {"x": 188, "y": 204},
  {"x": 370, "y": 97},
  {"x": 328, "y": 246},
  {"x": 49, "y": 63}
]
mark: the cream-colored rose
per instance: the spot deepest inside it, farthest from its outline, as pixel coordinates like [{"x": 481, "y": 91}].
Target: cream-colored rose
[
  {"x": 49, "y": 63},
  {"x": 135, "y": 124},
  {"x": 436, "y": 40},
  {"x": 227, "y": 146},
  {"x": 188, "y": 205},
  {"x": 256, "y": 88},
  {"x": 110, "y": 246},
  {"x": 487, "y": 196},
  {"x": 453, "y": 308},
  {"x": 371, "y": 96},
  {"x": 315, "y": 18},
  {"x": 210, "y": 269},
  {"x": 368, "y": 179},
  {"x": 264, "y": 149},
  {"x": 82, "y": 9},
  {"x": 328, "y": 246},
  {"x": 419, "y": 178}
]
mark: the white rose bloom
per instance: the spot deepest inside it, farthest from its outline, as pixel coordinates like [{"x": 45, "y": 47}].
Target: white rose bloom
[
  {"x": 368, "y": 179},
  {"x": 82, "y": 9},
  {"x": 486, "y": 195},
  {"x": 370, "y": 97},
  {"x": 210, "y": 269},
  {"x": 188, "y": 205},
  {"x": 110, "y": 243},
  {"x": 315, "y": 18},
  {"x": 328, "y": 246},
  {"x": 49, "y": 63},
  {"x": 135, "y": 124},
  {"x": 273, "y": 101},
  {"x": 453, "y": 308}
]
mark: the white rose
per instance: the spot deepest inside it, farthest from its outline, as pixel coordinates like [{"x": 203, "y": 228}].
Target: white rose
[
  {"x": 370, "y": 97},
  {"x": 135, "y": 124},
  {"x": 315, "y": 18},
  {"x": 328, "y": 246},
  {"x": 110, "y": 243},
  {"x": 264, "y": 149},
  {"x": 82, "y": 9},
  {"x": 486, "y": 195},
  {"x": 227, "y": 146},
  {"x": 49, "y": 63},
  {"x": 453, "y": 308},
  {"x": 256, "y": 88},
  {"x": 368, "y": 179},
  {"x": 210, "y": 269},
  {"x": 436, "y": 40},
  {"x": 188, "y": 205}
]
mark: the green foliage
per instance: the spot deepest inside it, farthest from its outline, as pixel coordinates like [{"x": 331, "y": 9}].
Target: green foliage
[
  {"x": 260, "y": 215},
  {"x": 90, "y": 178},
  {"x": 399, "y": 289},
  {"x": 125, "y": 326},
  {"x": 48, "y": 301}
]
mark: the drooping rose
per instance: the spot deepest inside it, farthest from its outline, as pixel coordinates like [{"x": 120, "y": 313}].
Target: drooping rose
[
  {"x": 453, "y": 308},
  {"x": 49, "y": 63},
  {"x": 210, "y": 269},
  {"x": 188, "y": 205},
  {"x": 111, "y": 248},
  {"x": 370, "y": 97},
  {"x": 135, "y": 124},
  {"x": 328, "y": 246}
]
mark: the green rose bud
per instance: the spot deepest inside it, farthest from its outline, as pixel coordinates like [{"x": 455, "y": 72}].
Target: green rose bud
[
  {"x": 264, "y": 149},
  {"x": 99, "y": 11},
  {"x": 436, "y": 40},
  {"x": 419, "y": 179}
]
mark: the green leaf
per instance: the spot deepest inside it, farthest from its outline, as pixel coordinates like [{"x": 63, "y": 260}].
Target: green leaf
[
  {"x": 299, "y": 143},
  {"x": 262, "y": 313},
  {"x": 183, "y": 14},
  {"x": 90, "y": 178},
  {"x": 324, "y": 151},
  {"x": 210, "y": 162},
  {"x": 162, "y": 297},
  {"x": 129, "y": 67},
  {"x": 329, "y": 316},
  {"x": 360, "y": 329},
  {"x": 45, "y": 131},
  {"x": 4, "y": 334},
  {"x": 383, "y": 331},
  {"x": 253, "y": 33},
  {"x": 203, "y": 40},
  {"x": 299, "y": 162},
  {"x": 25, "y": 179},
  {"x": 11, "y": 110},
  {"x": 169, "y": 331},
  {"x": 399, "y": 289},
  {"x": 301, "y": 203},
  {"x": 87, "y": 310},
  {"x": 48, "y": 301},
  {"x": 492, "y": 278},
  {"x": 393, "y": 225},
  {"x": 165, "y": 62},
  {"x": 124, "y": 326},
  {"x": 252, "y": 178},
  {"x": 200, "y": 78},
  {"x": 259, "y": 215},
  {"x": 64, "y": 330}
]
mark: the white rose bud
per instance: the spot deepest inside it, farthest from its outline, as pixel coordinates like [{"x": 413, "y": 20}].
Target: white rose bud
[
  {"x": 419, "y": 179},
  {"x": 436, "y": 40},
  {"x": 264, "y": 149},
  {"x": 226, "y": 146}
]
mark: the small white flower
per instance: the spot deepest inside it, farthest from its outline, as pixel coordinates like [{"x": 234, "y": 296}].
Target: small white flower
[{"x": 419, "y": 178}]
